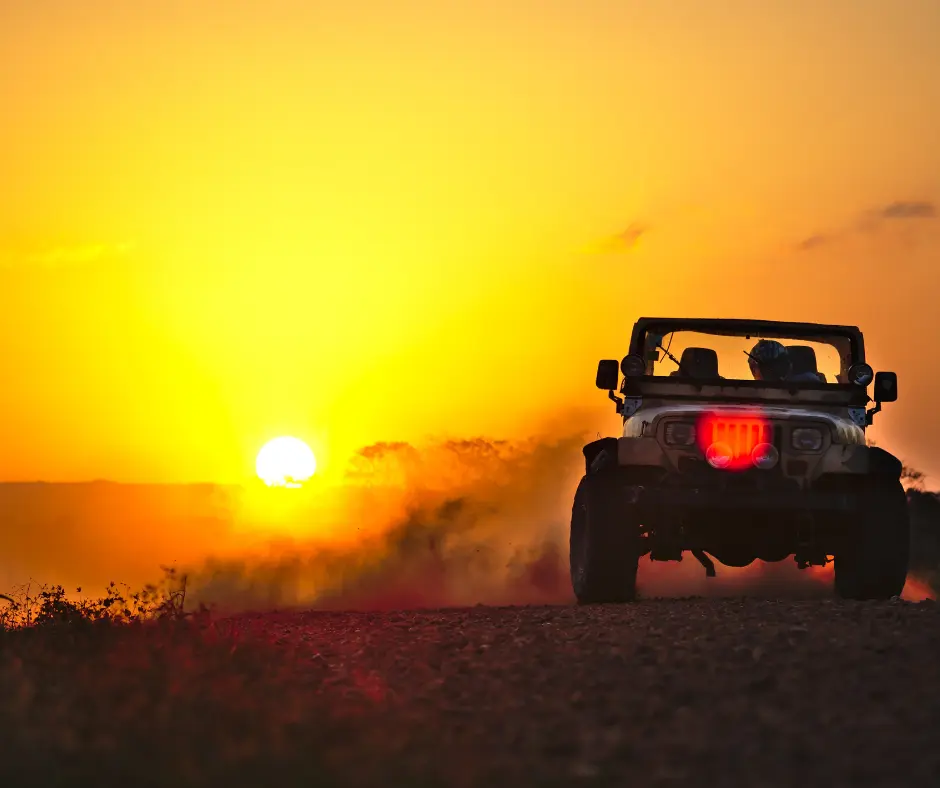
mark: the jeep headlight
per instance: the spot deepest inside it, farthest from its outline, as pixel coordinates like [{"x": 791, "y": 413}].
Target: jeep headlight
[
  {"x": 807, "y": 439},
  {"x": 680, "y": 434}
]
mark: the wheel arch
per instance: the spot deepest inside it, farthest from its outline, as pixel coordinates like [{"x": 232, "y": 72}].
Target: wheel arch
[{"x": 599, "y": 454}]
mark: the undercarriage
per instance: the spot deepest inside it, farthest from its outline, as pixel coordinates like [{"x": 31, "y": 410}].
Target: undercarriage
[
  {"x": 862, "y": 527},
  {"x": 739, "y": 518},
  {"x": 737, "y": 540}
]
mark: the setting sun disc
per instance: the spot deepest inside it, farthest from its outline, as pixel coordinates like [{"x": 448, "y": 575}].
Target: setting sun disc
[{"x": 285, "y": 462}]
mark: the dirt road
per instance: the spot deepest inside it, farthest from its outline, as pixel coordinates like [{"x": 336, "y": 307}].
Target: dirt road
[{"x": 663, "y": 692}]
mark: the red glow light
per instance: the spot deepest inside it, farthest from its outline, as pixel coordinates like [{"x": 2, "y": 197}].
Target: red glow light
[{"x": 741, "y": 433}]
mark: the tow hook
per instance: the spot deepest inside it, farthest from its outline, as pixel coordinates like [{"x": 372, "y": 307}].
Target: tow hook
[
  {"x": 667, "y": 542},
  {"x": 806, "y": 553},
  {"x": 705, "y": 561}
]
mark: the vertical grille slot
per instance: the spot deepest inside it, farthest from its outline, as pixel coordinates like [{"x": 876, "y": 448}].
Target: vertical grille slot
[{"x": 743, "y": 434}]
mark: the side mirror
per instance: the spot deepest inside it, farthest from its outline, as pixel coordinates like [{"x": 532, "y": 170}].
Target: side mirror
[
  {"x": 886, "y": 387},
  {"x": 608, "y": 374}
]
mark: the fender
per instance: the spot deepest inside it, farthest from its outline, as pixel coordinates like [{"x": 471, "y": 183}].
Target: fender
[
  {"x": 875, "y": 461},
  {"x": 599, "y": 454}
]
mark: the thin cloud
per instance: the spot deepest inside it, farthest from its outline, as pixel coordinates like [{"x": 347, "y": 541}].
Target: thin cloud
[
  {"x": 624, "y": 241},
  {"x": 871, "y": 221},
  {"x": 814, "y": 241},
  {"x": 909, "y": 210}
]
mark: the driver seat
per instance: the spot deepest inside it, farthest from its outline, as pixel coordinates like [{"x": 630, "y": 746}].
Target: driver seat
[
  {"x": 803, "y": 359},
  {"x": 698, "y": 362}
]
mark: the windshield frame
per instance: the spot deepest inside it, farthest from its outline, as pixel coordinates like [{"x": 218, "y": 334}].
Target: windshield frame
[{"x": 847, "y": 340}]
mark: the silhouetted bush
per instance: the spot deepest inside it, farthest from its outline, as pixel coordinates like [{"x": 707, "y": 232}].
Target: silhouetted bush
[{"x": 51, "y": 606}]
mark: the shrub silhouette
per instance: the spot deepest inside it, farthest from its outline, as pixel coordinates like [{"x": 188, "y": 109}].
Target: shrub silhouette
[{"x": 51, "y": 605}]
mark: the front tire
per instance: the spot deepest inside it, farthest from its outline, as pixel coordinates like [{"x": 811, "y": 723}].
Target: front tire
[
  {"x": 604, "y": 545},
  {"x": 874, "y": 560}
]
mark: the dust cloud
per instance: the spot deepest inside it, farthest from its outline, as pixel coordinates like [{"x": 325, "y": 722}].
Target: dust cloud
[{"x": 461, "y": 523}]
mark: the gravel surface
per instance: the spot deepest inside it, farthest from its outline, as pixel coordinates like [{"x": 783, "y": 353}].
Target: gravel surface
[{"x": 661, "y": 692}]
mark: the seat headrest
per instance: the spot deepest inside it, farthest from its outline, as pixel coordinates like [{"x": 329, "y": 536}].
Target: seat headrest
[
  {"x": 699, "y": 362},
  {"x": 802, "y": 358}
]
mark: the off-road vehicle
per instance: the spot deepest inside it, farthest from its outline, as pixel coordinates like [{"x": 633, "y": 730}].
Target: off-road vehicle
[{"x": 717, "y": 463}]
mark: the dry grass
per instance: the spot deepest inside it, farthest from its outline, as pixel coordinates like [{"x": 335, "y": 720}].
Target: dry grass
[
  {"x": 46, "y": 605},
  {"x": 132, "y": 690}
]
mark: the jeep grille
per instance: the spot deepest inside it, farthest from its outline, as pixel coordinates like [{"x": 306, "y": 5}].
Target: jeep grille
[{"x": 740, "y": 434}]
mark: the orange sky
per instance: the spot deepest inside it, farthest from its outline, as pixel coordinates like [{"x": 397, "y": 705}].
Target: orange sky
[{"x": 362, "y": 221}]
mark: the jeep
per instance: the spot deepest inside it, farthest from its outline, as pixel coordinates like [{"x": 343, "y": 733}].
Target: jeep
[{"x": 719, "y": 462}]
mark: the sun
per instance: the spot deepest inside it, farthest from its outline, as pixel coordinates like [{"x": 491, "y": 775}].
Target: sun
[{"x": 285, "y": 462}]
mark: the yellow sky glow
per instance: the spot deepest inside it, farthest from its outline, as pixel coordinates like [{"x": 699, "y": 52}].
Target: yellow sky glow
[{"x": 363, "y": 221}]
